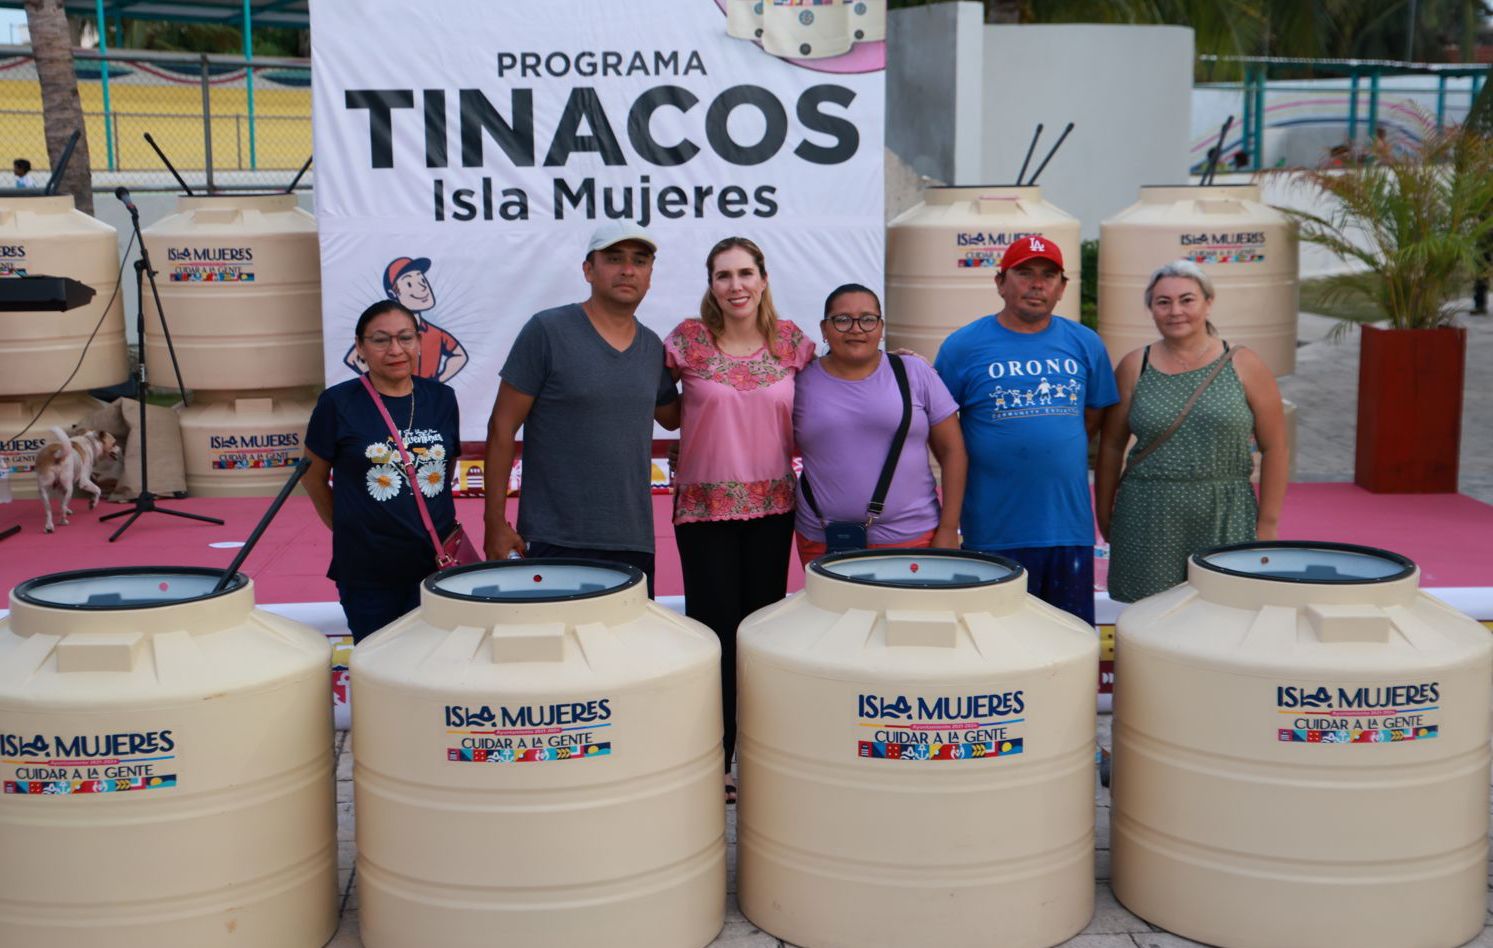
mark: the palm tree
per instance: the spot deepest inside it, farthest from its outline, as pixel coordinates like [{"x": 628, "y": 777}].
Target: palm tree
[
  {"x": 62, "y": 110},
  {"x": 1416, "y": 219}
]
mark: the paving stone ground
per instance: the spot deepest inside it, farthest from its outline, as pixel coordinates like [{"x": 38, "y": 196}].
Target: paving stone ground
[{"x": 1324, "y": 388}]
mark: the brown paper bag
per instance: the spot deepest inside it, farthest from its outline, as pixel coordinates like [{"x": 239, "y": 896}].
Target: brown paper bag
[{"x": 167, "y": 469}]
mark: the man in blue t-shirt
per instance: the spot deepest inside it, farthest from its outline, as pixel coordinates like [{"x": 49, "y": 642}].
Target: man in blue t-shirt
[{"x": 1031, "y": 391}]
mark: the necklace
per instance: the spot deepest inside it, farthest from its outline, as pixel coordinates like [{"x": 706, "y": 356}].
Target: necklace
[
  {"x": 1188, "y": 361},
  {"x": 405, "y": 457},
  {"x": 411, "y": 423}
]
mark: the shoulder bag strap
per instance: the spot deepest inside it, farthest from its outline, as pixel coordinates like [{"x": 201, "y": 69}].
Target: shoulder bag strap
[
  {"x": 1148, "y": 450},
  {"x": 409, "y": 467},
  {"x": 889, "y": 467},
  {"x": 803, "y": 487}
]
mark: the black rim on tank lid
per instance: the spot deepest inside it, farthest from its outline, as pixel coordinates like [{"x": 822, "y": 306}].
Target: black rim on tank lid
[{"x": 1307, "y": 561}]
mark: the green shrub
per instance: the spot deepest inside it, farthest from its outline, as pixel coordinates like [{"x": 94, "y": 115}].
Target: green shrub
[{"x": 1088, "y": 284}]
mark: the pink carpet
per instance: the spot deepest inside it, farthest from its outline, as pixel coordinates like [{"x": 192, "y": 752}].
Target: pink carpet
[{"x": 1446, "y": 534}]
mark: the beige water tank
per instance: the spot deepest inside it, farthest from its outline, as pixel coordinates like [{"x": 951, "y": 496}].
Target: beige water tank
[
  {"x": 1247, "y": 248},
  {"x": 538, "y": 762},
  {"x": 166, "y": 754},
  {"x": 48, "y": 236},
  {"x": 867, "y": 20},
  {"x": 943, "y": 254},
  {"x": 18, "y": 449},
  {"x": 916, "y": 757},
  {"x": 243, "y": 444},
  {"x": 804, "y": 29},
  {"x": 1301, "y": 753},
  {"x": 240, "y": 279},
  {"x": 744, "y": 19}
]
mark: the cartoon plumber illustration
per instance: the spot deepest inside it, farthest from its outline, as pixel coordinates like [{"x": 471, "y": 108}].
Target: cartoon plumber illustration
[{"x": 441, "y": 355}]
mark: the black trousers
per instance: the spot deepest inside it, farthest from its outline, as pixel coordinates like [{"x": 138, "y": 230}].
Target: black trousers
[
  {"x": 731, "y": 569},
  {"x": 643, "y": 561}
]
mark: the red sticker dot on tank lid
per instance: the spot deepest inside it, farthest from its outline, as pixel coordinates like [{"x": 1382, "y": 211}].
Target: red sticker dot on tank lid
[
  {"x": 164, "y": 586},
  {"x": 913, "y": 567},
  {"x": 538, "y": 578},
  {"x": 1264, "y": 560}
]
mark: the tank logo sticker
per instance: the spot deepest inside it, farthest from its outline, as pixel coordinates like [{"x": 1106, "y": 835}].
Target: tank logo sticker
[
  {"x": 1370, "y": 714},
  {"x": 1223, "y": 248},
  {"x": 529, "y": 733},
  {"x": 211, "y": 264},
  {"x": 54, "y": 765},
  {"x": 964, "y": 727},
  {"x": 242, "y": 452},
  {"x": 19, "y": 454},
  {"x": 12, "y": 260},
  {"x": 986, "y": 248}
]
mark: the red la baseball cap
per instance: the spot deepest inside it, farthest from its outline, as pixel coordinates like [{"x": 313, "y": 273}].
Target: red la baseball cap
[{"x": 1035, "y": 247}]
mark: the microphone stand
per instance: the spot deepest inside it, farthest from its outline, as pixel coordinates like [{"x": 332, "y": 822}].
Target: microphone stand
[{"x": 145, "y": 501}]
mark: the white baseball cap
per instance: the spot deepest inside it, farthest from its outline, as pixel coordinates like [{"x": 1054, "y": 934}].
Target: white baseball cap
[{"x": 614, "y": 232}]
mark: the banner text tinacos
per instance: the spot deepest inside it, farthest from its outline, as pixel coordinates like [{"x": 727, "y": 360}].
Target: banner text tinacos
[{"x": 584, "y": 127}]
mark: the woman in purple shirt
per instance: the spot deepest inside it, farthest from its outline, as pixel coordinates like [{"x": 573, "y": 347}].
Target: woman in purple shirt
[{"x": 846, "y": 409}]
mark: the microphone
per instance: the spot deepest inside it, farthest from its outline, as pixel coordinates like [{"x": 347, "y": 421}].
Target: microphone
[{"x": 123, "y": 193}]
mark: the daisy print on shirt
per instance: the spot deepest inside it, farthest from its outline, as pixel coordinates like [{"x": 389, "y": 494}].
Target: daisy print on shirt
[{"x": 386, "y": 473}]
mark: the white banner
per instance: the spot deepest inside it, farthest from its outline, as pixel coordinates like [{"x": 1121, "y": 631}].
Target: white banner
[{"x": 464, "y": 154}]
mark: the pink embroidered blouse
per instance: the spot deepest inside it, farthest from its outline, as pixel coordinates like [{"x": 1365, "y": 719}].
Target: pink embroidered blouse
[{"x": 736, "y": 437}]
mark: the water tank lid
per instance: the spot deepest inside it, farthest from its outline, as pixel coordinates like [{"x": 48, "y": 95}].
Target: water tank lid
[
  {"x": 530, "y": 581},
  {"x": 1305, "y": 561},
  {"x": 126, "y": 587},
  {"x": 918, "y": 569}
]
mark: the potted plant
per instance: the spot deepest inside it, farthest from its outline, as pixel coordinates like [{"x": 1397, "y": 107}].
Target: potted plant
[{"x": 1416, "y": 218}]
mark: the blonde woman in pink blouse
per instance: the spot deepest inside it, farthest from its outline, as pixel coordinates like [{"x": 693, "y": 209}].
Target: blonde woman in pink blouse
[{"x": 734, "y": 485}]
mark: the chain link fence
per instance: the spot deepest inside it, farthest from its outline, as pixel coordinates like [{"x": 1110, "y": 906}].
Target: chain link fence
[{"x": 223, "y": 122}]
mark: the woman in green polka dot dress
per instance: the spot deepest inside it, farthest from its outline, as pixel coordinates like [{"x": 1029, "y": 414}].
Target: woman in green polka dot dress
[{"x": 1193, "y": 491}]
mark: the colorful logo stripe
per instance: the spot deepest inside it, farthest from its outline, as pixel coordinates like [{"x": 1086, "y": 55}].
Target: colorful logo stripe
[
  {"x": 507, "y": 755},
  {"x": 1388, "y": 735},
  {"x": 211, "y": 276},
  {"x": 71, "y": 787},
  {"x": 1223, "y": 256},
  {"x": 886, "y": 750}
]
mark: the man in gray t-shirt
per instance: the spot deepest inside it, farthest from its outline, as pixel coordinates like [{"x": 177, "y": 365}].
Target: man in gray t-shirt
[{"x": 586, "y": 381}]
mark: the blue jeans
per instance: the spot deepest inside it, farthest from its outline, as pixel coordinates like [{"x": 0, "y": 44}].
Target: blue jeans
[
  {"x": 1061, "y": 576},
  {"x": 370, "y": 608}
]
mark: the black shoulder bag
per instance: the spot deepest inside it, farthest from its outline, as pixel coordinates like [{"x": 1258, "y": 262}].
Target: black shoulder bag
[{"x": 842, "y": 535}]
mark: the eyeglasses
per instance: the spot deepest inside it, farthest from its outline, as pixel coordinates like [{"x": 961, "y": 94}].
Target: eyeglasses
[
  {"x": 381, "y": 340},
  {"x": 865, "y": 322}
]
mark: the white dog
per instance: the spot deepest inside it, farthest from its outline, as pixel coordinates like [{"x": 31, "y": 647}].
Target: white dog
[{"x": 66, "y": 463}]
